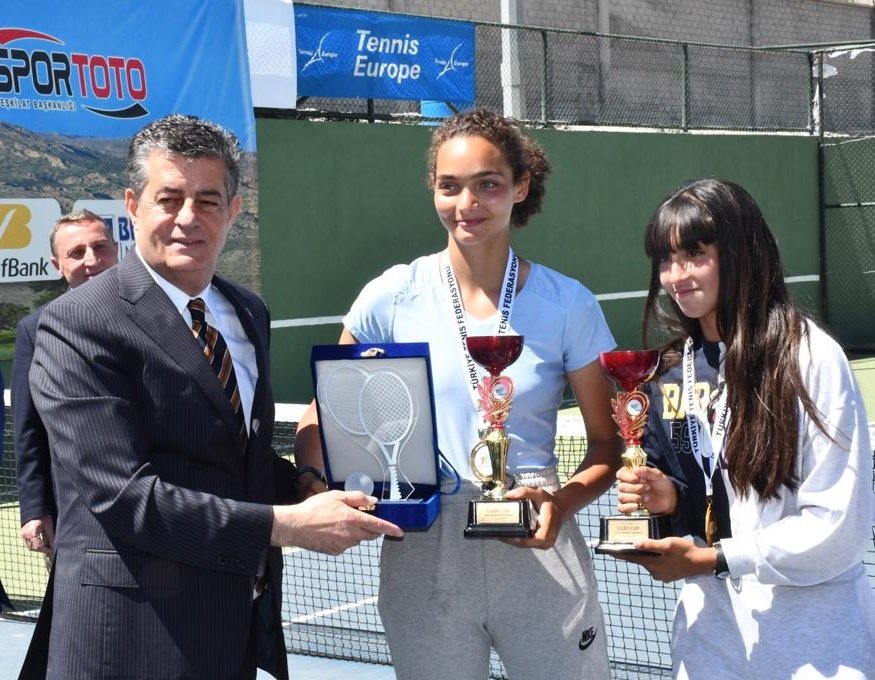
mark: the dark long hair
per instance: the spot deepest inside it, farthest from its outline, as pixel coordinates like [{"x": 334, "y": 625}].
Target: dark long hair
[{"x": 756, "y": 319}]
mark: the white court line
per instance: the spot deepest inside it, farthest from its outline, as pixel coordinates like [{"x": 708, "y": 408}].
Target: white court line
[
  {"x": 326, "y": 320},
  {"x": 325, "y": 612},
  {"x": 333, "y": 610},
  {"x": 622, "y": 296},
  {"x": 306, "y": 321},
  {"x": 802, "y": 279}
]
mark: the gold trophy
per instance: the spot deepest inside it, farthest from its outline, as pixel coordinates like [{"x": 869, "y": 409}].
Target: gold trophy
[
  {"x": 493, "y": 514},
  {"x": 630, "y": 369}
]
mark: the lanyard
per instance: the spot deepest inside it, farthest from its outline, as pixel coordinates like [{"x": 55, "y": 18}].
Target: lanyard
[
  {"x": 711, "y": 446},
  {"x": 505, "y": 307}
]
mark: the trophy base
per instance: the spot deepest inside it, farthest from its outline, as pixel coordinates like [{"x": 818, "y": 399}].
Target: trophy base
[
  {"x": 617, "y": 534},
  {"x": 500, "y": 519}
]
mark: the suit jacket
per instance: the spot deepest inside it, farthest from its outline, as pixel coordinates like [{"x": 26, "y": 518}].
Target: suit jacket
[
  {"x": 163, "y": 521},
  {"x": 32, "y": 460}
]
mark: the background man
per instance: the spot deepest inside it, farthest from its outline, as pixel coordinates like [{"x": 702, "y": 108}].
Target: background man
[
  {"x": 82, "y": 246},
  {"x": 171, "y": 504}
]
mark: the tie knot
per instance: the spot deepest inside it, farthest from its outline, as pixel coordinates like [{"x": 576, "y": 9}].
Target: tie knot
[{"x": 198, "y": 309}]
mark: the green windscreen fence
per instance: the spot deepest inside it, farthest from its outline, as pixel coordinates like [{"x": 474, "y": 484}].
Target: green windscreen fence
[
  {"x": 341, "y": 202},
  {"x": 849, "y": 239}
]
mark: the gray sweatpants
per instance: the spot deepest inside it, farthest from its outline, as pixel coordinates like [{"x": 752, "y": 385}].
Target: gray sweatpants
[{"x": 445, "y": 600}]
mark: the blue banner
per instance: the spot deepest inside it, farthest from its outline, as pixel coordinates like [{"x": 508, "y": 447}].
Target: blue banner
[
  {"x": 104, "y": 69},
  {"x": 347, "y": 53},
  {"x": 77, "y": 80}
]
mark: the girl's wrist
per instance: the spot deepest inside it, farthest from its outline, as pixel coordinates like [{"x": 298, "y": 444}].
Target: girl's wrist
[{"x": 721, "y": 566}]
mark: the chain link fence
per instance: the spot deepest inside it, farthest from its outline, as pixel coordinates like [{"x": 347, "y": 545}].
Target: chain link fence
[
  {"x": 568, "y": 78},
  {"x": 848, "y": 88},
  {"x": 556, "y": 77}
]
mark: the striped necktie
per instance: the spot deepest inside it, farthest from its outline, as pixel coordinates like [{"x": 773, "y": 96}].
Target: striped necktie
[{"x": 216, "y": 352}]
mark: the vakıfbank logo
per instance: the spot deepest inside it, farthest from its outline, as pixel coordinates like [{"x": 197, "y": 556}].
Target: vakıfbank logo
[
  {"x": 14, "y": 226},
  {"x": 50, "y": 79},
  {"x": 25, "y": 225}
]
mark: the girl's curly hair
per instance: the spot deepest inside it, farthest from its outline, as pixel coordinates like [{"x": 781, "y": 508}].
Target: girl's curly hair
[{"x": 522, "y": 153}]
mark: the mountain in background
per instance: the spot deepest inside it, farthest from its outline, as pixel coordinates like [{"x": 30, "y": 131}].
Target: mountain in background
[{"x": 70, "y": 168}]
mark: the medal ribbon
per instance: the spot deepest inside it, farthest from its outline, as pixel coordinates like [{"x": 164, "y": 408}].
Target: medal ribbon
[
  {"x": 706, "y": 450},
  {"x": 473, "y": 373}
]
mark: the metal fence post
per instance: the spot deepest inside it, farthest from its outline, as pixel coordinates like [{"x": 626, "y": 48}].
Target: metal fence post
[
  {"x": 544, "y": 77},
  {"x": 685, "y": 85},
  {"x": 815, "y": 62}
]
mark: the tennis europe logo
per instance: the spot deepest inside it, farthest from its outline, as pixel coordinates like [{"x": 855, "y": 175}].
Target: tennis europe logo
[{"x": 14, "y": 226}]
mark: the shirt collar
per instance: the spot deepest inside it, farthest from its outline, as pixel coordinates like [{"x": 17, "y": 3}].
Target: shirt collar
[{"x": 178, "y": 297}]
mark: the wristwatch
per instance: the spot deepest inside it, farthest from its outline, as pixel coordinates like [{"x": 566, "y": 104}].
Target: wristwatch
[
  {"x": 316, "y": 472},
  {"x": 721, "y": 568}
]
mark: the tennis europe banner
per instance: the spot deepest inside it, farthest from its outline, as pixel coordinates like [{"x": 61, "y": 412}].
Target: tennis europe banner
[
  {"x": 77, "y": 80},
  {"x": 347, "y": 53}
]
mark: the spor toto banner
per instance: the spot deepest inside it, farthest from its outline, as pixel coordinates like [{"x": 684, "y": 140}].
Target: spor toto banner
[
  {"x": 77, "y": 80},
  {"x": 345, "y": 53},
  {"x": 106, "y": 68}
]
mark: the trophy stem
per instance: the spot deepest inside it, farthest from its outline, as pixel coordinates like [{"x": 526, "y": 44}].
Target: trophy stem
[
  {"x": 497, "y": 444},
  {"x": 633, "y": 457},
  {"x": 498, "y": 447}
]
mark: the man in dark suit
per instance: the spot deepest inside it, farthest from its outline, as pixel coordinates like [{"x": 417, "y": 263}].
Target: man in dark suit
[
  {"x": 171, "y": 504},
  {"x": 82, "y": 246}
]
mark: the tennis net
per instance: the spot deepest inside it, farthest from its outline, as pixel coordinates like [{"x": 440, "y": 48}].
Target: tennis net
[{"x": 330, "y": 606}]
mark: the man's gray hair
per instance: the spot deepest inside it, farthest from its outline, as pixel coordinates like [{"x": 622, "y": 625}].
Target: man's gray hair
[
  {"x": 187, "y": 136},
  {"x": 75, "y": 217}
]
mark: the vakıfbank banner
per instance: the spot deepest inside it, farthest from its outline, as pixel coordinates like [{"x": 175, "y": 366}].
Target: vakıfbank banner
[
  {"x": 77, "y": 80},
  {"x": 347, "y": 53}
]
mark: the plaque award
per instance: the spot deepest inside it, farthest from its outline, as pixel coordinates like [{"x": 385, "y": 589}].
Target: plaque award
[
  {"x": 377, "y": 427},
  {"x": 630, "y": 369},
  {"x": 493, "y": 515}
]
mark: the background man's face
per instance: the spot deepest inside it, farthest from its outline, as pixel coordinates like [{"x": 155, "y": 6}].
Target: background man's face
[
  {"x": 83, "y": 250},
  {"x": 182, "y": 218}
]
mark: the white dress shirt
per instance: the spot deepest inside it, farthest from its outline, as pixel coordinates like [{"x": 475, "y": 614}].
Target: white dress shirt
[{"x": 222, "y": 316}]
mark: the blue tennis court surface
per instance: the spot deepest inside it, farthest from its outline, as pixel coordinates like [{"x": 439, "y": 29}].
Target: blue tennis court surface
[{"x": 15, "y": 636}]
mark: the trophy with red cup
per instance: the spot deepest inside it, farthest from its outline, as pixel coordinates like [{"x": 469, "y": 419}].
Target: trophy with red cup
[
  {"x": 630, "y": 369},
  {"x": 493, "y": 514}
]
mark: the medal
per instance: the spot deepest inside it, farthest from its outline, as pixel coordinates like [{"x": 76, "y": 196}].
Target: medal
[
  {"x": 706, "y": 450},
  {"x": 710, "y": 522}
]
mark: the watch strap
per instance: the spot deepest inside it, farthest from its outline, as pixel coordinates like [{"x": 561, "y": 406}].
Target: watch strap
[
  {"x": 721, "y": 567},
  {"x": 316, "y": 472}
]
